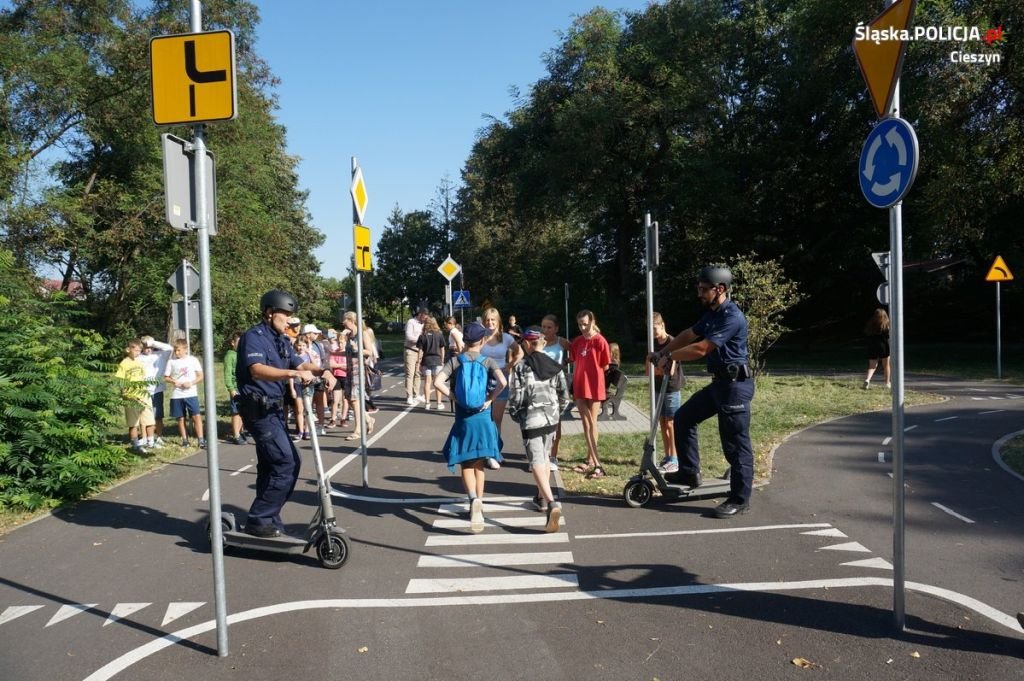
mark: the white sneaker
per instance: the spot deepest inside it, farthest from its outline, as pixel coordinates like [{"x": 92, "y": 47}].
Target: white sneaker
[
  {"x": 419, "y": 398},
  {"x": 553, "y": 464},
  {"x": 427, "y": 406},
  {"x": 476, "y": 515},
  {"x": 411, "y": 402}
]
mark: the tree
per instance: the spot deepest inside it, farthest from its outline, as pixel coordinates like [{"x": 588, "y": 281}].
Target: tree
[{"x": 764, "y": 294}]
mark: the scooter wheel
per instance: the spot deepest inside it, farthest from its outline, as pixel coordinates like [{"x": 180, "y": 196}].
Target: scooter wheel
[
  {"x": 332, "y": 550},
  {"x": 225, "y": 526},
  {"x": 637, "y": 493}
]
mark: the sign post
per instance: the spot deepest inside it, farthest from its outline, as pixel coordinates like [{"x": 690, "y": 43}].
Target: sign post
[
  {"x": 999, "y": 272},
  {"x": 193, "y": 82},
  {"x": 650, "y": 264},
  {"x": 363, "y": 263},
  {"x": 888, "y": 165}
]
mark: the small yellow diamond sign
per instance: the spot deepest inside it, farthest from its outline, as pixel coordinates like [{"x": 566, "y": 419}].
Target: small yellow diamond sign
[
  {"x": 359, "y": 198},
  {"x": 361, "y": 249},
  {"x": 449, "y": 268}
]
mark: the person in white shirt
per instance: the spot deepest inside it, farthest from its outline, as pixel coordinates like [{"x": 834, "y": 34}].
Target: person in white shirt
[
  {"x": 413, "y": 331},
  {"x": 184, "y": 373},
  {"x": 154, "y": 357}
]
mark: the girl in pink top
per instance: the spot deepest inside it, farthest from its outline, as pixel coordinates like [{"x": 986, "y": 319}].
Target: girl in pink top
[{"x": 590, "y": 354}]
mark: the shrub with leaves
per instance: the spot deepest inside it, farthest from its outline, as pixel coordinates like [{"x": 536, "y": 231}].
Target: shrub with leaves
[
  {"x": 763, "y": 293},
  {"x": 58, "y": 400}
]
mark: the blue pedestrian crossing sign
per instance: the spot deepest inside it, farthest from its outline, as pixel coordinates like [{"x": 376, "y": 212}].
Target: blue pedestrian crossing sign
[
  {"x": 888, "y": 162},
  {"x": 460, "y": 300}
]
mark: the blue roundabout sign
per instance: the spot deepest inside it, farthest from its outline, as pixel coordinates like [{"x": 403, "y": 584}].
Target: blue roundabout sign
[{"x": 888, "y": 162}]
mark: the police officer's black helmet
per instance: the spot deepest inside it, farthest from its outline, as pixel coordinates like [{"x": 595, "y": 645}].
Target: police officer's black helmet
[
  {"x": 277, "y": 299},
  {"x": 716, "y": 276}
]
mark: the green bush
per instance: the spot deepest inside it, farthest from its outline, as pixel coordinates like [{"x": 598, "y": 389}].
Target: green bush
[{"x": 58, "y": 399}]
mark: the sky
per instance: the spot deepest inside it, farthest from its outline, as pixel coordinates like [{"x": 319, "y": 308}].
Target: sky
[{"x": 402, "y": 85}]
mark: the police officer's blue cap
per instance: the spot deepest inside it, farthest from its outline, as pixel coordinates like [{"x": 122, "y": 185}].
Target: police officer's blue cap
[
  {"x": 276, "y": 299},
  {"x": 716, "y": 276}
]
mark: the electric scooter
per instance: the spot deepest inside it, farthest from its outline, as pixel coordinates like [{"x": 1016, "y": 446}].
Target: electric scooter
[
  {"x": 639, "y": 491},
  {"x": 332, "y": 545}
]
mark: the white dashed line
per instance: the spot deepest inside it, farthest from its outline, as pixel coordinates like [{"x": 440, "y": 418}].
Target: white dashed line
[
  {"x": 881, "y": 457},
  {"x": 948, "y": 418},
  {"x": 991, "y": 411},
  {"x": 909, "y": 428},
  {"x": 951, "y": 512},
  {"x": 242, "y": 470},
  {"x": 886, "y": 441}
]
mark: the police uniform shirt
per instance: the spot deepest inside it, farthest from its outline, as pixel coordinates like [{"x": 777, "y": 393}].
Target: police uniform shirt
[
  {"x": 726, "y": 327},
  {"x": 263, "y": 345}
]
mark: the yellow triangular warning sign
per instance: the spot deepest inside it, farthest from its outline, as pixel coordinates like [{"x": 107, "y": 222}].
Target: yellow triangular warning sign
[
  {"x": 879, "y": 48},
  {"x": 999, "y": 271}
]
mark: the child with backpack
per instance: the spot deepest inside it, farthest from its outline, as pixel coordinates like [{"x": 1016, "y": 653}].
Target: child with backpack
[
  {"x": 538, "y": 394},
  {"x": 473, "y": 438}
]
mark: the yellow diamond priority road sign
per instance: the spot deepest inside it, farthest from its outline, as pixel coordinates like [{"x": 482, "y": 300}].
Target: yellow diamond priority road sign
[
  {"x": 449, "y": 268},
  {"x": 193, "y": 78},
  {"x": 879, "y": 48},
  {"x": 359, "y": 197}
]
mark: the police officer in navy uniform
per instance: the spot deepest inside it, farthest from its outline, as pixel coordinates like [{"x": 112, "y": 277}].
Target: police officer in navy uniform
[
  {"x": 265, "y": 362},
  {"x": 720, "y": 336}
]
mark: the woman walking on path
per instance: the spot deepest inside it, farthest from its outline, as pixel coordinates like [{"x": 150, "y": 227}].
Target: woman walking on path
[
  {"x": 591, "y": 355},
  {"x": 431, "y": 347},
  {"x": 496, "y": 347},
  {"x": 877, "y": 331},
  {"x": 473, "y": 439}
]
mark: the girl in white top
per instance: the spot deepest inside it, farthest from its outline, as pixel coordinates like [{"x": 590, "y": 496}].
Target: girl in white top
[{"x": 496, "y": 346}]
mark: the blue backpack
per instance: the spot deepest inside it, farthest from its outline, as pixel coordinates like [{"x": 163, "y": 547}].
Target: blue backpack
[{"x": 471, "y": 383}]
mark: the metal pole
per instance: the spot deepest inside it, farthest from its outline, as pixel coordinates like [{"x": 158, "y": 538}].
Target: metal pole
[
  {"x": 566, "y": 320},
  {"x": 360, "y": 385},
  {"x": 648, "y": 265},
  {"x": 213, "y": 465},
  {"x": 896, "y": 333},
  {"x": 182, "y": 289},
  {"x": 999, "y": 335}
]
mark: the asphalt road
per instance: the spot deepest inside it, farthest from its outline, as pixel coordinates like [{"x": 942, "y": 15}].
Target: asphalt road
[{"x": 121, "y": 586}]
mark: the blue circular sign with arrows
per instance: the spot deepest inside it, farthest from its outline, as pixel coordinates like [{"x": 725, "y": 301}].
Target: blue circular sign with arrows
[{"x": 888, "y": 162}]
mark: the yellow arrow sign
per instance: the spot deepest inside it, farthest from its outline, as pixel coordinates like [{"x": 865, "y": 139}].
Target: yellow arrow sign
[
  {"x": 879, "y": 48},
  {"x": 999, "y": 271},
  {"x": 193, "y": 77},
  {"x": 361, "y": 249},
  {"x": 359, "y": 197}
]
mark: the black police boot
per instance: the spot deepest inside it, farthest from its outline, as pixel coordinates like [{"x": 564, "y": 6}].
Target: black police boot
[
  {"x": 731, "y": 507},
  {"x": 685, "y": 478}
]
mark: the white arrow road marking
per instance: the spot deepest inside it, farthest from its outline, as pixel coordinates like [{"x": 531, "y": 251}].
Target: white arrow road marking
[
  {"x": 495, "y": 559},
  {"x": 951, "y": 512},
  {"x": 886, "y": 441},
  {"x": 67, "y": 611},
  {"x": 122, "y": 610},
  {"x": 118, "y": 665},
  {"x": 831, "y": 532},
  {"x": 176, "y": 610},
  {"x": 848, "y": 546},
  {"x": 880, "y": 563},
  {"x": 429, "y": 586},
  {"x": 15, "y": 611}
]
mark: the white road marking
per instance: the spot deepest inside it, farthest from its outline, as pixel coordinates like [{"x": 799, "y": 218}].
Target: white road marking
[
  {"x": 991, "y": 411},
  {"x": 538, "y": 520},
  {"x": 994, "y": 397},
  {"x": 67, "y": 611},
  {"x": 909, "y": 428},
  {"x": 122, "y": 610},
  {"x": 886, "y": 441},
  {"x": 494, "y": 559},
  {"x": 948, "y": 418},
  {"x": 338, "y": 466},
  {"x": 722, "y": 530},
  {"x": 979, "y": 399},
  {"x": 848, "y": 546},
  {"x": 242, "y": 469},
  {"x": 484, "y": 539},
  {"x": 119, "y": 664},
  {"x": 831, "y": 532},
  {"x": 176, "y": 610},
  {"x": 491, "y": 505},
  {"x": 953, "y": 513},
  {"x": 15, "y": 611},
  {"x": 881, "y": 457},
  {"x": 879, "y": 563},
  {"x": 1013, "y": 396},
  {"x": 431, "y": 586}
]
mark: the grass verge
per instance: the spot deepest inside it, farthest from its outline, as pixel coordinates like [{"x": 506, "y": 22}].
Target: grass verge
[
  {"x": 782, "y": 405},
  {"x": 1013, "y": 454}
]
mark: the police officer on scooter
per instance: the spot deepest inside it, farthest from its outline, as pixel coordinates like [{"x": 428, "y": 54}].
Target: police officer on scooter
[
  {"x": 265, "y": 362},
  {"x": 720, "y": 336}
]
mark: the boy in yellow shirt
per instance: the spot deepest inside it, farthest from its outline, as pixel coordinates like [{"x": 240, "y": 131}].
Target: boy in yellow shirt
[{"x": 138, "y": 407}]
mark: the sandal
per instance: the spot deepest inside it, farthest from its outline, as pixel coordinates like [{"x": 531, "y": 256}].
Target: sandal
[
  {"x": 596, "y": 472},
  {"x": 582, "y": 469}
]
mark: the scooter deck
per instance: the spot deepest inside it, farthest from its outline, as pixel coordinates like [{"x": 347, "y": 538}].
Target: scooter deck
[
  {"x": 282, "y": 544},
  {"x": 714, "y": 488}
]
